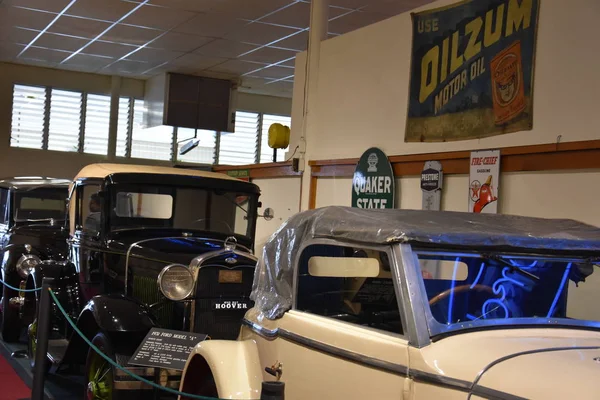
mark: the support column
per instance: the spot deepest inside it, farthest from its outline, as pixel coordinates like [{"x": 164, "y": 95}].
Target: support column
[
  {"x": 115, "y": 92},
  {"x": 319, "y": 18}
]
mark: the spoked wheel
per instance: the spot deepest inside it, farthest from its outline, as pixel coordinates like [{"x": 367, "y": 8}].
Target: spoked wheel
[{"x": 99, "y": 375}]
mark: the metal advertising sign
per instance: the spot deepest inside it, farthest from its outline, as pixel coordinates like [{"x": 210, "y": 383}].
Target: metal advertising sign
[
  {"x": 431, "y": 185},
  {"x": 242, "y": 174},
  {"x": 484, "y": 176},
  {"x": 472, "y": 70},
  {"x": 373, "y": 182}
]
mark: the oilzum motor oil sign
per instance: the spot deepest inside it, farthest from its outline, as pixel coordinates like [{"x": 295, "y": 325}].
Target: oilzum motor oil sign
[{"x": 373, "y": 182}]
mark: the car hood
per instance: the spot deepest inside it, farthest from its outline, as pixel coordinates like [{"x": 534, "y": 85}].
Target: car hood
[
  {"x": 528, "y": 363},
  {"x": 170, "y": 249}
]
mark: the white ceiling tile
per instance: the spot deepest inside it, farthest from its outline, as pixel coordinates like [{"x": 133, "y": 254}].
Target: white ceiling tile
[
  {"x": 86, "y": 61},
  {"x": 187, "y": 5},
  {"x": 268, "y": 55},
  {"x": 106, "y": 10},
  {"x": 17, "y": 35},
  {"x": 9, "y": 51},
  {"x": 297, "y": 42},
  {"x": 180, "y": 42},
  {"x": 46, "y": 5},
  {"x": 210, "y": 25},
  {"x": 225, "y": 48},
  {"x": 273, "y": 72},
  {"x": 355, "y": 21},
  {"x": 393, "y": 7},
  {"x": 260, "y": 33},
  {"x": 289, "y": 63},
  {"x": 158, "y": 17},
  {"x": 235, "y": 67},
  {"x": 280, "y": 87},
  {"x": 249, "y": 9},
  {"x": 13, "y": 16},
  {"x": 125, "y": 67},
  {"x": 350, "y": 3},
  {"x": 197, "y": 61},
  {"x": 113, "y": 50},
  {"x": 156, "y": 56},
  {"x": 82, "y": 27},
  {"x": 131, "y": 34},
  {"x": 298, "y": 15},
  {"x": 48, "y": 55},
  {"x": 61, "y": 42}
]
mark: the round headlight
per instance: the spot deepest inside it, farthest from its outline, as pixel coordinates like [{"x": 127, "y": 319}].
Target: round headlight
[
  {"x": 176, "y": 282},
  {"x": 26, "y": 264}
]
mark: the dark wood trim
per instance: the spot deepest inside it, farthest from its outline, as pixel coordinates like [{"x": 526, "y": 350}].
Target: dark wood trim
[
  {"x": 259, "y": 171},
  {"x": 543, "y": 157}
]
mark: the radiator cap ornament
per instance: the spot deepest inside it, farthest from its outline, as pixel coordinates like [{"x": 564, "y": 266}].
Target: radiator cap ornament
[{"x": 230, "y": 243}]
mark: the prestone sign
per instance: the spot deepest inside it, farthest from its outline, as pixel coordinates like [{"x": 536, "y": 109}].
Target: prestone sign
[{"x": 373, "y": 182}]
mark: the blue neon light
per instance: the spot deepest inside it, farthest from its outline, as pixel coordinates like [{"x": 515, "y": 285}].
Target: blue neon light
[
  {"x": 478, "y": 275},
  {"x": 451, "y": 303},
  {"x": 559, "y": 291}
]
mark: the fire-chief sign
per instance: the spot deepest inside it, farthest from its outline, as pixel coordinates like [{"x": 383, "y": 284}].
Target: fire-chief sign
[{"x": 472, "y": 70}]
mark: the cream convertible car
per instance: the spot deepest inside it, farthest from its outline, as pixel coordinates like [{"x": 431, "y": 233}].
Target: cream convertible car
[{"x": 395, "y": 304}]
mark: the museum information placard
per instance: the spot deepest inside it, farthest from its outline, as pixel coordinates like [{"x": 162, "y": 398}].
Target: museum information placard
[
  {"x": 472, "y": 70},
  {"x": 166, "y": 348}
]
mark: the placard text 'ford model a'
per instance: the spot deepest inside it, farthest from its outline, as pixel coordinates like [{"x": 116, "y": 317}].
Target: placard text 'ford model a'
[{"x": 148, "y": 247}]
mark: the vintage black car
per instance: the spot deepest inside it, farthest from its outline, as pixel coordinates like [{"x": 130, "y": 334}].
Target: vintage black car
[
  {"x": 148, "y": 247},
  {"x": 32, "y": 212}
]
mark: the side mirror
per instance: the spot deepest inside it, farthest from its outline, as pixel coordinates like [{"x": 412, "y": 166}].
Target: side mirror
[{"x": 269, "y": 214}]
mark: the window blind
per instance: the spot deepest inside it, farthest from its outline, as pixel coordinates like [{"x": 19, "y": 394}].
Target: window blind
[
  {"x": 123, "y": 126},
  {"x": 240, "y": 147},
  {"x": 266, "y": 153},
  {"x": 27, "y": 129},
  {"x": 65, "y": 120},
  {"x": 97, "y": 120},
  {"x": 204, "y": 153},
  {"x": 153, "y": 143}
]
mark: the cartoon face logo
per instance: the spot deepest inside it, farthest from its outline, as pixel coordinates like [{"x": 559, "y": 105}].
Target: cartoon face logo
[
  {"x": 475, "y": 186},
  {"x": 372, "y": 160},
  {"x": 507, "y": 79}
]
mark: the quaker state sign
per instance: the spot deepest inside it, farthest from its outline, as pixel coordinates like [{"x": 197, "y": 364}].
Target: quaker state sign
[
  {"x": 472, "y": 70},
  {"x": 373, "y": 182}
]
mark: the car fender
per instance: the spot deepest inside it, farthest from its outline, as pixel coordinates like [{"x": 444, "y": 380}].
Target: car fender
[
  {"x": 235, "y": 366},
  {"x": 119, "y": 313}
]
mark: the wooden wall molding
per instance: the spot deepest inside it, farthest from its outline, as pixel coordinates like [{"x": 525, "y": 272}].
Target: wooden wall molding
[
  {"x": 261, "y": 171},
  {"x": 542, "y": 157}
]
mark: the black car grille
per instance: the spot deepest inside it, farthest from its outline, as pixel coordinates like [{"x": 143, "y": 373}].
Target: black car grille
[
  {"x": 221, "y": 323},
  {"x": 146, "y": 290}
]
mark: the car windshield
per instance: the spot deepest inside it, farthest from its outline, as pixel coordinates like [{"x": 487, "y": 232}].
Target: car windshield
[
  {"x": 473, "y": 288},
  {"x": 40, "y": 204},
  {"x": 189, "y": 208}
]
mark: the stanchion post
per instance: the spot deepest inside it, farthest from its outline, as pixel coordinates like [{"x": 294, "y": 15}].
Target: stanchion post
[
  {"x": 43, "y": 329},
  {"x": 272, "y": 390}
]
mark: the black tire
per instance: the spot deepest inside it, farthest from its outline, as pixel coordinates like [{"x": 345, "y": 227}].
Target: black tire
[
  {"x": 103, "y": 343},
  {"x": 11, "y": 323}
]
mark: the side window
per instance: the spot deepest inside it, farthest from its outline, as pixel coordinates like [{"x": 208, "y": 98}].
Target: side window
[
  {"x": 351, "y": 284},
  {"x": 3, "y": 206},
  {"x": 90, "y": 208}
]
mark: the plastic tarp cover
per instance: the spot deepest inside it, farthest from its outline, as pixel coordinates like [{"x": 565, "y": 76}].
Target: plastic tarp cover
[{"x": 272, "y": 286}]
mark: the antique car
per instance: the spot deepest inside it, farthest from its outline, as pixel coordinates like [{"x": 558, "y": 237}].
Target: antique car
[
  {"x": 148, "y": 247},
  {"x": 31, "y": 230},
  {"x": 407, "y": 304}
]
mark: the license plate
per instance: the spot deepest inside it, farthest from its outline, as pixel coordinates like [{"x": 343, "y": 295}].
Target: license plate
[
  {"x": 224, "y": 305},
  {"x": 230, "y": 276}
]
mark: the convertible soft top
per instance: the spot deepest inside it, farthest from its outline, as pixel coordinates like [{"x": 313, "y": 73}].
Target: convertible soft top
[{"x": 272, "y": 288}]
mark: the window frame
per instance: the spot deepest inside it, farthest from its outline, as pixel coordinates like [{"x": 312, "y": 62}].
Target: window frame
[{"x": 396, "y": 279}]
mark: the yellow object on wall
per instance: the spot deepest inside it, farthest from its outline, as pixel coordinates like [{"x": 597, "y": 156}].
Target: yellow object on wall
[{"x": 279, "y": 136}]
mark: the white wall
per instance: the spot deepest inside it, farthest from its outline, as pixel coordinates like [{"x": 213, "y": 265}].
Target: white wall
[
  {"x": 280, "y": 194},
  {"x": 15, "y": 161},
  {"x": 363, "y": 88}
]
